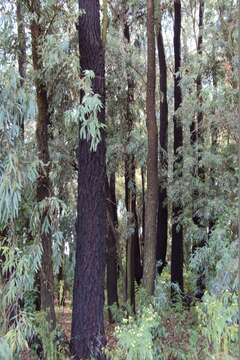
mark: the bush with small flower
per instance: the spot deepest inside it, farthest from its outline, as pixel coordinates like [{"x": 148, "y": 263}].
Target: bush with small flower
[{"x": 135, "y": 336}]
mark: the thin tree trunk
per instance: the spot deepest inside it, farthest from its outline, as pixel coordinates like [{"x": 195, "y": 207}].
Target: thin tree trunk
[
  {"x": 177, "y": 230},
  {"x": 134, "y": 270},
  {"x": 112, "y": 263},
  {"x": 196, "y": 127},
  {"x": 214, "y": 140},
  {"x": 143, "y": 212},
  {"x": 162, "y": 224},
  {"x": 152, "y": 159},
  {"x": 62, "y": 194},
  {"x": 87, "y": 338},
  {"x": 22, "y": 52},
  {"x": 43, "y": 182},
  {"x": 113, "y": 199}
]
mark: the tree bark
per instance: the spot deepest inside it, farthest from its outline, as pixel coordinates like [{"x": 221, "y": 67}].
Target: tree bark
[
  {"x": 214, "y": 144},
  {"x": 43, "y": 182},
  {"x": 143, "y": 214},
  {"x": 22, "y": 52},
  {"x": 177, "y": 230},
  {"x": 112, "y": 263},
  {"x": 149, "y": 268},
  {"x": 162, "y": 224},
  {"x": 88, "y": 337},
  {"x": 134, "y": 269},
  {"x": 113, "y": 199}
]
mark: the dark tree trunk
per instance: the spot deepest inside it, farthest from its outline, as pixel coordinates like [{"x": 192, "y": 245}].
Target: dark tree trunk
[
  {"x": 22, "y": 51},
  {"x": 62, "y": 195},
  {"x": 214, "y": 140},
  {"x": 196, "y": 127},
  {"x": 61, "y": 284},
  {"x": 112, "y": 263},
  {"x": 177, "y": 231},
  {"x": 43, "y": 182},
  {"x": 149, "y": 268},
  {"x": 88, "y": 337},
  {"x": 162, "y": 224},
  {"x": 143, "y": 212},
  {"x": 134, "y": 270}
]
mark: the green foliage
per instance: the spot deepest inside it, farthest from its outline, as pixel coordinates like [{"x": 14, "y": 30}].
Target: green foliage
[
  {"x": 5, "y": 352},
  {"x": 160, "y": 328},
  {"x": 17, "y": 173},
  {"x": 218, "y": 322},
  {"x": 206, "y": 330},
  {"x": 23, "y": 265},
  {"x": 46, "y": 336},
  {"x": 135, "y": 337},
  {"x": 18, "y": 335},
  {"x": 86, "y": 115}
]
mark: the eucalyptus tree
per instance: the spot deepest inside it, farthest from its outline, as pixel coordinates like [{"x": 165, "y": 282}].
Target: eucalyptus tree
[
  {"x": 112, "y": 255},
  {"x": 197, "y": 141},
  {"x": 124, "y": 110},
  {"x": 87, "y": 337},
  {"x": 177, "y": 230},
  {"x": 149, "y": 265},
  {"x": 43, "y": 183},
  {"x": 21, "y": 215},
  {"x": 22, "y": 49},
  {"x": 162, "y": 220},
  {"x": 17, "y": 175},
  {"x": 134, "y": 268}
]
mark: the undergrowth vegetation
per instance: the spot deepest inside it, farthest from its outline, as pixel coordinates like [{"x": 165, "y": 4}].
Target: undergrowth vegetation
[{"x": 162, "y": 330}]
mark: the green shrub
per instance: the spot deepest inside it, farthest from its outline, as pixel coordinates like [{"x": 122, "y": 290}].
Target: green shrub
[{"x": 135, "y": 337}]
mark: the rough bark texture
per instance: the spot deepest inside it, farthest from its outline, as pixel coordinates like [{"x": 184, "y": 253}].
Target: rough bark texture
[
  {"x": 43, "y": 182},
  {"x": 22, "y": 53},
  {"x": 87, "y": 337},
  {"x": 162, "y": 224},
  {"x": 112, "y": 263},
  {"x": 177, "y": 231},
  {"x": 152, "y": 159}
]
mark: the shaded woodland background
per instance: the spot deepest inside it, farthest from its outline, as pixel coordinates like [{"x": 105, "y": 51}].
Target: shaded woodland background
[{"x": 119, "y": 179}]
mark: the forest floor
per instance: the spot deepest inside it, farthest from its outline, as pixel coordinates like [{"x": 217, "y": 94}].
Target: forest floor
[
  {"x": 176, "y": 339},
  {"x": 173, "y": 339},
  {"x": 64, "y": 318}
]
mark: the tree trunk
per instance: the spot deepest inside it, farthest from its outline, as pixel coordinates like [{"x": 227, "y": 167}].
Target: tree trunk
[
  {"x": 134, "y": 270},
  {"x": 152, "y": 159},
  {"x": 214, "y": 143},
  {"x": 143, "y": 213},
  {"x": 43, "y": 182},
  {"x": 22, "y": 52},
  {"x": 88, "y": 337},
  {"x": 162, "y": 224},
  {"x": 177, "y": 231},
  {"x": 112, "y": 263},
  {"x": 113, "y": 199}
]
